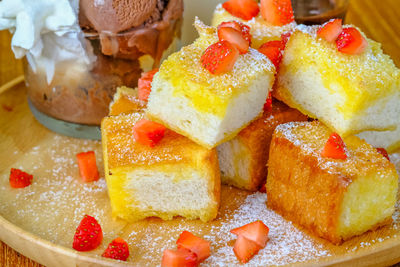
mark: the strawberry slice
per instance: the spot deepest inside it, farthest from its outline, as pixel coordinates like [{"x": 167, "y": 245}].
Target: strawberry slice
[
  {"x": 334, "y": 148},
  {"x": 383, "y": 152},
  {"x": 351, "y": 41},
  {"x": 88, "y": 234},
  {"x": 277, "y": 12},
  {"x": 87, "y": 166},
  {"x": 179, "y": 258},
  {"x": 118, "y": 249},
  {"x": 148, "y": 133},
  {"x": 245, "y": 249},
  {"x": 272, "y": 50},
  {"x": 195, "y": 244},
  {"x": 330, "y": 30},
  {"x": 244, "y": 29},
  {"x": 19, "y": 179},
  {"x": 244, "y": 9},
  {"x": 235, "y": 37},
  {"x": 144, "y": 84},
  {"x": 268, "y": 103},
  {"x": 256, "y": 231},
  {"x": 219, "y": 57}
]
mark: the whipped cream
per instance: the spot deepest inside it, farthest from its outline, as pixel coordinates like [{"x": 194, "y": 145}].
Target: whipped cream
[{"x": 47, "y": 32}]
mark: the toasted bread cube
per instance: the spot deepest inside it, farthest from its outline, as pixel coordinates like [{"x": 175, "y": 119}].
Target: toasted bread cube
[
  {"x": 243, "y": 160},
  {"x": 209, "y": 109},
  {"x": 332, "y": 198},
  {"x": 348, "y": 93},
  {"x": 260, "y": 30},
  {"x": 177, "y": 177}
]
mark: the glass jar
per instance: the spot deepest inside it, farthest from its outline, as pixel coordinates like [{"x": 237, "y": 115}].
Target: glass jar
[{"x": 77, "y": 98}]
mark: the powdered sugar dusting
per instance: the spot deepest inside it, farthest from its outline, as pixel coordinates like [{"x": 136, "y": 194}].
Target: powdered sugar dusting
[
  {"x": 57, "y": 198},
  {"x": 286, "y": 243}
]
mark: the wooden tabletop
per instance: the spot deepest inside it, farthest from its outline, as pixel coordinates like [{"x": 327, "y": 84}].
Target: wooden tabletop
[{"x": 379, "y": 19}]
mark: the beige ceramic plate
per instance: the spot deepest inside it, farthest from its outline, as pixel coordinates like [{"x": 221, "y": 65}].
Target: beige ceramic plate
[{"x": 39, "y": 221}]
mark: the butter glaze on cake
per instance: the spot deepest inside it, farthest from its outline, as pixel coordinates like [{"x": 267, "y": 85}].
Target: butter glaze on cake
[
  {"x": 349, "y": 93},
  {"x": 209, "y": 109}
]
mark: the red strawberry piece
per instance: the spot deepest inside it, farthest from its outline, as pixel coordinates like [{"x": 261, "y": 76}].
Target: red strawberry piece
[
  {"x": 235, "y": 37},
  {"x": 148, "y": 133},
  {"x": 19, "y": 179},
  {"x": 118, "y": 249},
  {"x": 179, "y": 258},
  {"x": 144, "y": 84},
  {"x": 330, "y": 30},
  {"x": 220, "y": 57},
  {"x": 245, "y": 249},
  {"x": 88, "y": 234},
  {"x": 272, "y": 50},
  {"x": 268, "y": 103},
  {"x": 195, "y": 244},
  {"x": 277, "y": 12},
  {"x": 87, "y": 166},
  {"x": 383, "y": 152},
  {"x": 244, "y": 9},
  {"x": 350, "y": 41},
  {"x": 243, "y": 28},
  {"x": 334, "y": 148},
  {"x": 256, "y": 231}
]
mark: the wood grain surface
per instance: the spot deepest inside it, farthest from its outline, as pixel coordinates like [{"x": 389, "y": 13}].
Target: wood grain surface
[{"x": 379, "y": 19}]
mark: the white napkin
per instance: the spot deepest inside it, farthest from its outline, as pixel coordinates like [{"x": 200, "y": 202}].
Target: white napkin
[{"x": 46, "y": 31}]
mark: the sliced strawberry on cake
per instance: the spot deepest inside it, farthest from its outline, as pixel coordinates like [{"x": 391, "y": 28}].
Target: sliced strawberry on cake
[
  {"x": 334, "y": 148},
  {"x": 277, "y": 12},
  {"x": 350, "y": 41},
  {"x": 244, "y": 9},
  {"x": 148, "y": 133},
  {"x": 220, "y": 57},
  {"x": 330, "y": 30}
]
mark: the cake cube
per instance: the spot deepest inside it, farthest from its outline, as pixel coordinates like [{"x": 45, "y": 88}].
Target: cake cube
[
  {"x": 260, "y": 30},
  {"x": 332, "y": 198},
  {"x": 348, "y": 93},
  {"x": 243, "y": 160},
  {"x": 176, "y": 177},
  {"x": 207, "y": 108}
]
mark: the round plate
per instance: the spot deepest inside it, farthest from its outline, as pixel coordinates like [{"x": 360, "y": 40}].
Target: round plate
[{"x": 43, "y": 216}]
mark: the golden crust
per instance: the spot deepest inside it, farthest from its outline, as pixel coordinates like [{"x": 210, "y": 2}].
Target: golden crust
[
  {"x": 256, "y": 138},
  {"x": 175, "y": 152},
  {"x": 308, "y": 189}
]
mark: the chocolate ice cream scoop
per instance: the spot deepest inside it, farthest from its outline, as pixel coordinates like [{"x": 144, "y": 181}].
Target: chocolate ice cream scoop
[{"x": 116, "y": 15}]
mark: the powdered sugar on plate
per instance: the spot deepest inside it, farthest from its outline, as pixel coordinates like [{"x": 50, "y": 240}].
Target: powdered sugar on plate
[{"x": 286, "y": 244}]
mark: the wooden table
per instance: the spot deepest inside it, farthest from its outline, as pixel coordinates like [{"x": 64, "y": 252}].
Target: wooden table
[{"x": 379, "y": 19}]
